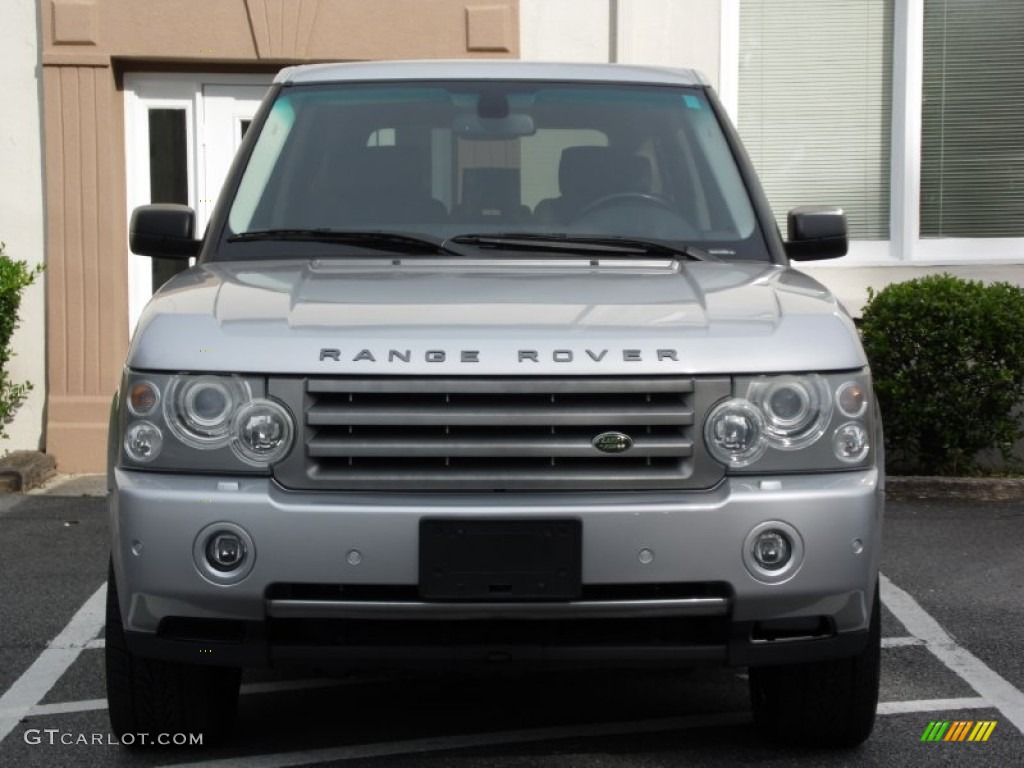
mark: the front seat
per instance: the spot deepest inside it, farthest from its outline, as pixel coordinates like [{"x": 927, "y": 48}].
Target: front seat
[{"x": 586, "y": 174}]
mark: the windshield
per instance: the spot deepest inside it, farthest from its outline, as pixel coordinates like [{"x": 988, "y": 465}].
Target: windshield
[{"x": 440, "y": 160}]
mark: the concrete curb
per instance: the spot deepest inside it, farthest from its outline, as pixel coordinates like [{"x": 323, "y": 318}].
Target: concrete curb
[
  {"x": 23, "y": 470},
  {"x": 73, "y": 485},
  {"x": 916, "y": 488}
]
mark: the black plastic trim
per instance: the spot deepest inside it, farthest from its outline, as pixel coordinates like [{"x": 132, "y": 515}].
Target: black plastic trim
[
  {"x": 746, "y": 653},
  {"x": 255, "y": 651}
]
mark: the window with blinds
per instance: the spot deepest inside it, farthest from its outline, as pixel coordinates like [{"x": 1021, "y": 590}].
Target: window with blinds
[
  {"x": 815, "y": 105},
  {"x": 972, "y": 120}
]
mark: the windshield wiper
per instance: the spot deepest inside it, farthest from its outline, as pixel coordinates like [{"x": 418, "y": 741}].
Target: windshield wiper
[
  {"x": 590, "y": 244},
  {"x": 388, "y": 241}
]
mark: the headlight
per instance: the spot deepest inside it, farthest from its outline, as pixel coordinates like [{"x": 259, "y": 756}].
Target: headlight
[
  {"x": 143, "y": 398},
  {"x": 143, "y": 442},
  {"x": 850, "y": 443},
  {"x": 735, "y": 433},
  {"x": 852, "y": 399},
  {"x": 797, "y": 409},
  {"x": 202, "y": 423},
  {"x": 198, "y": 409},
  {"x": 261, "y": 432},
  {"x": 793, "y": 423}
]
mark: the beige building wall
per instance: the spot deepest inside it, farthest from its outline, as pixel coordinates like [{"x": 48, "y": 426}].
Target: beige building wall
[
  {"x": 565, "y": 30},
  {"x": 87, "y": 46},
  {"x": 21, "y": 209},
  {"x": 671, "y": 33},
  {"x": 668, "y": 33}
]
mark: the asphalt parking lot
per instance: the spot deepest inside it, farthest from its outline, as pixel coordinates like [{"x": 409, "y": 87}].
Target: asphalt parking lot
[{"x": 953, "y": 623}]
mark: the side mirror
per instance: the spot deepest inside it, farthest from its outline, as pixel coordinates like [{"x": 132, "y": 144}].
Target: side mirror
[
  {"x": 163, "y": 230},
  {"x": 816, "y": 232}
]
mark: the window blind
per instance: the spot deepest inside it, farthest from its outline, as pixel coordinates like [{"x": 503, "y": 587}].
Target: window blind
[
  {"x": 815, "y": 105},
  {"x": 972, "y": 119}
]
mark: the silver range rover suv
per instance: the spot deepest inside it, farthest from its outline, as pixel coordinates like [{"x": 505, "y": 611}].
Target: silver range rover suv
[{"x": 493, "y": 361}]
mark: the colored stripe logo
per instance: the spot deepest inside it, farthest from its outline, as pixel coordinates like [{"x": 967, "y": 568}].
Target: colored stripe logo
[{"x": 958, "y": 730}]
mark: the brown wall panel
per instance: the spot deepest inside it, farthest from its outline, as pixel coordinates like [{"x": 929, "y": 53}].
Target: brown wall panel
[
  {"x": 56, "y": 303},
  {"x": 86, "y": 266},
  {"x": 401, "y": 29},
  {"x": 68, "y": 215},
  {"x": 89, "y": 204},
  {"x": 112, "y": 237},
  {"x": 282, "y": 30}
]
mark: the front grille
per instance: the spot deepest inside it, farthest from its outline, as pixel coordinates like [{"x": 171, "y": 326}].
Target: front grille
[{"x": 497, "y": 433}]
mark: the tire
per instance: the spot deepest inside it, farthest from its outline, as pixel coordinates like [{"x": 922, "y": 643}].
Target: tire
[
  {"x": 160, "y": 697},
  {"x": 827, "y": 703}
]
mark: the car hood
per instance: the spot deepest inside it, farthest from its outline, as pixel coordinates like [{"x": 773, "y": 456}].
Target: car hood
[{"x": 494, "y": 317}]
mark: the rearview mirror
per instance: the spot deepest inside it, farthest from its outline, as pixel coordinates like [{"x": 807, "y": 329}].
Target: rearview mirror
[{"x": 511, "y": 126}]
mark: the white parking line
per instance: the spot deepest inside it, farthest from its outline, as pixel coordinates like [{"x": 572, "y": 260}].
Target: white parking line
[
  {"x": 67, "y": 707},
  {"x": 932, "y": 705},
  {"x": 901, "y": 642},
  {"x": 93, "y": 705},
  {"x": 972, "y": 670},
  {"x": 29, "y": 689}
]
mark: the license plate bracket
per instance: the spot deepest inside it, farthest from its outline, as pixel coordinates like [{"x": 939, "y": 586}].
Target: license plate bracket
[{"x": 500, "y": 560}]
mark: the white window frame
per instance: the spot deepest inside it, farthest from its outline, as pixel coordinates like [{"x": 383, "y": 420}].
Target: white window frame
[{"x": 905, "y": 246}]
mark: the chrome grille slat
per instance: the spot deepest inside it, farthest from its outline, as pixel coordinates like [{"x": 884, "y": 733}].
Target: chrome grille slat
[
  {"x": 502, "y": 433},
  {"x": 510, "y": 415},
  {"x": 489, "y": 446},
  {"x": 607, "y": 479}
]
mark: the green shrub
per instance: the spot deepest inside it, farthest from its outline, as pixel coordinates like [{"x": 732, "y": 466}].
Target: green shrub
[
  {"x": 15, "y": 276},
  {"x": 948, "y": 362}
]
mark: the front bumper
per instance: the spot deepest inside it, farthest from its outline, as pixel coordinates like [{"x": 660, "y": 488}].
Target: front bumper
[{"x": 691, "y": 577}]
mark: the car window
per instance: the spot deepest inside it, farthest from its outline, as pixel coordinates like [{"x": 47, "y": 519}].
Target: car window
[{"x": 443, "y": 159}]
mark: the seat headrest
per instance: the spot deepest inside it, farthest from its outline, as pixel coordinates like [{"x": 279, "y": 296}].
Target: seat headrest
[{"x": 593, "y": 172}]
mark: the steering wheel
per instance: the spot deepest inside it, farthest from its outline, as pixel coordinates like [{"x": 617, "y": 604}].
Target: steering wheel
[{"x": 626, "y": 197}]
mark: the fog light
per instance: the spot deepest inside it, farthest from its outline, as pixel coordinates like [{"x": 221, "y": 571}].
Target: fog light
[
  {"x": 225, "y": 551},
  {"x": 772, "y": 550}
]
